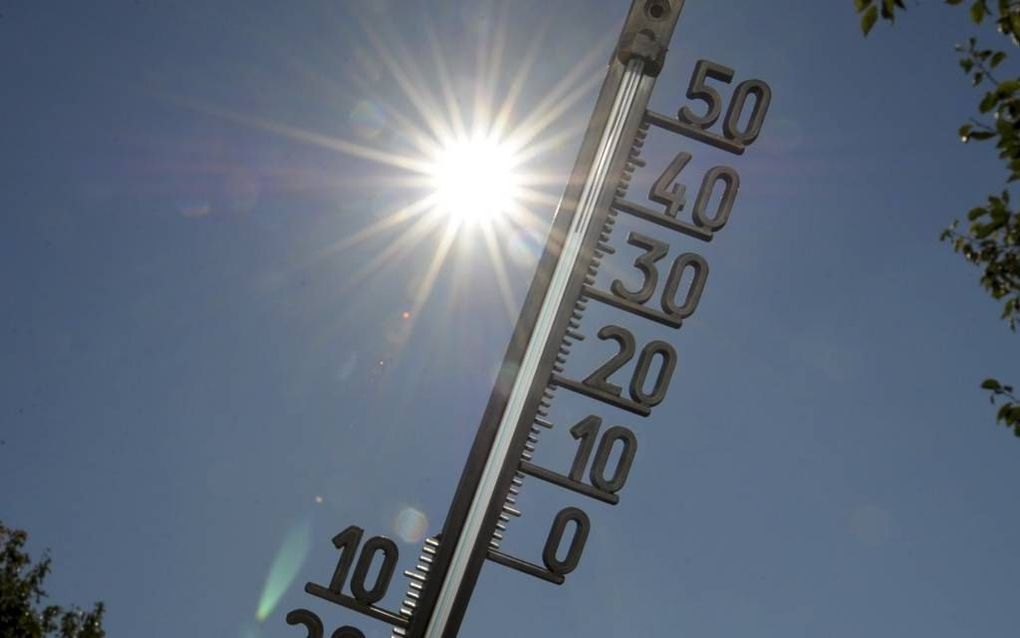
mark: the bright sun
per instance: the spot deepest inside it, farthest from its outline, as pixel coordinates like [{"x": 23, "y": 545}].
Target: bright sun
[
  {"x": 467, "y": 168},
  {"x": 475, "y": 181}
]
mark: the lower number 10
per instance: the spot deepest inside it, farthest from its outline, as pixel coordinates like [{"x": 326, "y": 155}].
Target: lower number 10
[
  {"x": 347, "y": 542},
  {"x": 586, "y": 432}
]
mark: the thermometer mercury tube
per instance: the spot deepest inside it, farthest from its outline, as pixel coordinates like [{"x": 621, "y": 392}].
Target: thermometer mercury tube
[{"x": 544, "y": 330}]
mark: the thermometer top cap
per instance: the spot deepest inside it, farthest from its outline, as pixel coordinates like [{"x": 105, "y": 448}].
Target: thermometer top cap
[{"x": 647, "y": 32}]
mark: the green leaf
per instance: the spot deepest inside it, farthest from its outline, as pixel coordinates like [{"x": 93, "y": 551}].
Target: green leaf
[
  {"x": 990, "y": 384},
  {"x": 868, "y": 19},
  {"x": 1013, "y": 26},
  {"x": 861, "y": 5},
  {"x": 997, "y": 59},
  {"x": 977, "y": 11},
  {"x": 1008, "y": 87}
]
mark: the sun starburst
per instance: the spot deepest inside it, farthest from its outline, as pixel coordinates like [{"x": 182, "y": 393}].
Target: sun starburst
[
  {"x": 475, "y": 180},
  {"x": 465, "y": 159}
]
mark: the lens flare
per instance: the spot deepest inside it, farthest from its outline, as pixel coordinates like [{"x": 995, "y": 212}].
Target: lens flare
[
  {"x": 349, "y": 366},
  {"x": 410, "y": 525},
  {"x": 251, "y": 632},
  {"x": 196, "y": 209},
  {"x": 368, "y": 119},
  {"x": 523, "y": 249},
  {"x": 285, "y": 567}
]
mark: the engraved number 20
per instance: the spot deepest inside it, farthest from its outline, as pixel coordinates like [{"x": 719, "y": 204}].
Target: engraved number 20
[
  {"x": 313, "y": 625},
  {"x": 655, "y": 349}
]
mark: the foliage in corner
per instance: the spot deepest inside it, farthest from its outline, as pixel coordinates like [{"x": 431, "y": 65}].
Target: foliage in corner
[
  {"x": 21, "y": 595},
  {"x": 992, "y": 237},
  {"x": 870, "y": 10}
]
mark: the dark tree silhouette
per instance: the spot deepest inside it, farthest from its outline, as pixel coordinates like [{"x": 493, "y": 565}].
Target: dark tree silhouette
[
  {"x": 21, "y": 596},
  {"x": 991, "y": 239}
]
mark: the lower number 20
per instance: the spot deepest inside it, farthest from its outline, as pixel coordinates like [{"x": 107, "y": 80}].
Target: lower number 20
[{"x": 313, "y": 625}]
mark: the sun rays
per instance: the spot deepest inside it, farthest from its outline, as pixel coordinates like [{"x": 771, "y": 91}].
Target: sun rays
[
  {"x": 453, "y": 145},
  {"x": 450, "y": 157},
  {"x": 478, "y": 145}
]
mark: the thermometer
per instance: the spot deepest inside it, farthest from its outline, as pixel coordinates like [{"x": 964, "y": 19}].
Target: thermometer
[{"x": 534, "y": 368}]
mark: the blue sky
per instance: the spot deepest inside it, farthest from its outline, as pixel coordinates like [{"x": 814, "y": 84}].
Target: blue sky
[{"x": 191, "y": 341}]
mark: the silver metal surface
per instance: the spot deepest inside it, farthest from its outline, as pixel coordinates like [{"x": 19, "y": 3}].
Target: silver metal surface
[{"x": 593, "y": 186}]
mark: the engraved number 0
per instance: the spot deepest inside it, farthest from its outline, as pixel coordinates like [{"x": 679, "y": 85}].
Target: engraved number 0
[{"x": 552, "y": 543}]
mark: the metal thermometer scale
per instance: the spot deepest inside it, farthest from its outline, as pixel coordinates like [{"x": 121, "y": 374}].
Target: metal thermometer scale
[{"x": 501, "y": 457}]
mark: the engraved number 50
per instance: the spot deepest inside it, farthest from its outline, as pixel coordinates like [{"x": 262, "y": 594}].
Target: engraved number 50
[{"x": 698, "y": 90}]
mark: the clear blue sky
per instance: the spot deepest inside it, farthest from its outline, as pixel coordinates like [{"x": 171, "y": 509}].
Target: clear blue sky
[{"x": 190, "y": 356}]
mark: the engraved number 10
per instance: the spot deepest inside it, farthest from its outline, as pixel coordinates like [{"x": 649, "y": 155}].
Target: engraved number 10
[{"x": 586, "y": 432}]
